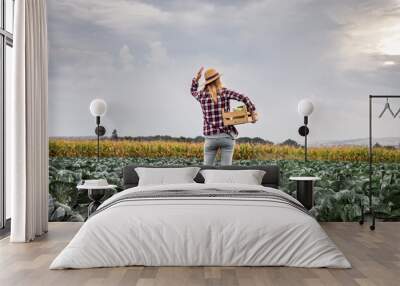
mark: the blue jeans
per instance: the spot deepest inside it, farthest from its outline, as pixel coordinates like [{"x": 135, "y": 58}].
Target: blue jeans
[{"x": 212, "y": 145}]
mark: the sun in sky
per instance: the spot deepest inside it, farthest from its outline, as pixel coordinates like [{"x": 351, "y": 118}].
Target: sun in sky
[
  {"x": 390, "y": 42},
  {"x": 373, "y": 40}
]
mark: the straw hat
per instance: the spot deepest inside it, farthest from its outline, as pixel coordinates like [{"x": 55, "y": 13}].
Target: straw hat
[{"x": 211, "y": 75}]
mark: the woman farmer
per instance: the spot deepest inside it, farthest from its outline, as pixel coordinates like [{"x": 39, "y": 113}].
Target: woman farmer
[{"x": 214, "y": 99}]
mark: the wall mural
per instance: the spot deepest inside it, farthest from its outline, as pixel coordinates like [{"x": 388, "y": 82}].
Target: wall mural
[{"x": 139, "y": 59}]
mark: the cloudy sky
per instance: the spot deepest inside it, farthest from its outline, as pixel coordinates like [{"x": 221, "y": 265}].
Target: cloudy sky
[{"x": 140, "y": 57}]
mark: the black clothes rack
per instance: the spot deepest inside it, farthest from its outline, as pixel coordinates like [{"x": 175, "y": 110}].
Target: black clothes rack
[{"x": 371, "y": 210}]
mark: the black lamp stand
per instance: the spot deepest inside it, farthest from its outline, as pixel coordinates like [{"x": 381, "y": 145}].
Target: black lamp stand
[
  {"x": 100, "y": 131},
  {"x": 304, "y": 131}
]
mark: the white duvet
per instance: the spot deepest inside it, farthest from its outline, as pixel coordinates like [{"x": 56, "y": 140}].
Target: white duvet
[{"x": 200, "y": 231}]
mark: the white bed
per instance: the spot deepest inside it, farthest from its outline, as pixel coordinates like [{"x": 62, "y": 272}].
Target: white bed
[{"x": 202, "y": 231}]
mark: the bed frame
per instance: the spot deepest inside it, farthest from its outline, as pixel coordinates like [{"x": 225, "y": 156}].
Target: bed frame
[{"x": 130, "y": 178}]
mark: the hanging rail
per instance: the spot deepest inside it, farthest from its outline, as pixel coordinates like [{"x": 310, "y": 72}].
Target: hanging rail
[{"x": 371, "y": 210}]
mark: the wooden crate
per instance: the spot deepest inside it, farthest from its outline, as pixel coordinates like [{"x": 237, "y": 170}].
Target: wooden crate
[{"x": 237, "y": 117}]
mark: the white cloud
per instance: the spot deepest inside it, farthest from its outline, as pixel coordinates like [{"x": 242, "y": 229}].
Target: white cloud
[
  {"x": 121, "y": 16},
  {"x": 126, "y": 58},
  {"x": 158, "y": 54}
]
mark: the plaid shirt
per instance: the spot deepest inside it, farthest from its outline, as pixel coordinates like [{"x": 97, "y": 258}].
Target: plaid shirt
[{"x": 212, "y": 112}]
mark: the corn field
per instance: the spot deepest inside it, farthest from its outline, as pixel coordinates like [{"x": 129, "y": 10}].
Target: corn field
[{"x": 246, "y": 151}]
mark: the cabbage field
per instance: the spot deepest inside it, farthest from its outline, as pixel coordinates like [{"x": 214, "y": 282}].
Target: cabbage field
[{"x": 339, "y": 195}]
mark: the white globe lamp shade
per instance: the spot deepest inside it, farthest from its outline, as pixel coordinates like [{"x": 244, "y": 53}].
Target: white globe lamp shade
[
  {"x": 98, "y": 107},
  {"x": 305, "y": 107}
]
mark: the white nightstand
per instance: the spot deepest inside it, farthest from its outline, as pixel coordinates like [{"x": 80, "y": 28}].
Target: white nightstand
[{"x": 95, "y": 194}]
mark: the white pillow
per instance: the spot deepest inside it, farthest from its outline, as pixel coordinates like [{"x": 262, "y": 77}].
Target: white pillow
[
  {"x": 248, "y": 177},
  {"x": 165, "y": 176}
]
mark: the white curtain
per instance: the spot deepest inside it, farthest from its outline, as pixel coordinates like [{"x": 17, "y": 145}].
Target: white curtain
[{"x": 28, "y": 148}]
